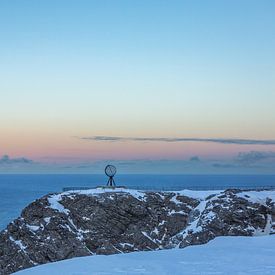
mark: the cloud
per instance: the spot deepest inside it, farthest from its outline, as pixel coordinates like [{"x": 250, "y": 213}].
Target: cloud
[
  {"x": 252, "y": 159},
  {"x": 7, "y": 160},
  {"x": 224, "y": 165},
  {"x": 255, "y": 156},
  {"x": 84, "y": 166},
  {"x": 166, "y": 139},
  {"x": 194, "y": 159}
]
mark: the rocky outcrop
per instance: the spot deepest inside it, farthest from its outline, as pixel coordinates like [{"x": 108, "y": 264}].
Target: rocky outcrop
[{"x": 98, "y": 221}]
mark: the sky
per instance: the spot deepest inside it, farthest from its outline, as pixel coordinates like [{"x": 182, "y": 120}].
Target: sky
[{"x": 151, "y": 86}]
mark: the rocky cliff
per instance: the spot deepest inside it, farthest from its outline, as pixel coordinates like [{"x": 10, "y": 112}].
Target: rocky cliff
[{"x": 79, "y": 223}]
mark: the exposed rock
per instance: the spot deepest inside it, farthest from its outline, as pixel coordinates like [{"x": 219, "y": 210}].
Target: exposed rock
[{"x": 80, "y": 223}]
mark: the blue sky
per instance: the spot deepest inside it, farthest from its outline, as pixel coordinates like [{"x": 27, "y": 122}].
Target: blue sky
[{"x": 154, "y": 69}]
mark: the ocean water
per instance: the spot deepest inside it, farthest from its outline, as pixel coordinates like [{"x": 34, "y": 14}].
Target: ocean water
[{"x": 17, "y": 191}]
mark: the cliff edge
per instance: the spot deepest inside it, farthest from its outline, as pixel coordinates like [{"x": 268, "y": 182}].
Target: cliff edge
[{"x": 97, "y": 221}]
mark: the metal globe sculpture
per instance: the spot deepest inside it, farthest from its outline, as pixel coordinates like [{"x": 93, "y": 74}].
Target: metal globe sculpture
[{"x": 110, "y": 171}]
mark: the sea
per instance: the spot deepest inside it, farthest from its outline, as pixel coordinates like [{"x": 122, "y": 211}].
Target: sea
[{"x": 17, "y": 191}]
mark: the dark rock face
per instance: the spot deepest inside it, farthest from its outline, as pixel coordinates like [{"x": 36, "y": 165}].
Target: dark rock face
[{"x": 73, "y": 224}]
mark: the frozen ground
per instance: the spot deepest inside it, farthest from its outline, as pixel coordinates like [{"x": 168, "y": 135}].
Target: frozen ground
[{"x": 223, "y": 255}]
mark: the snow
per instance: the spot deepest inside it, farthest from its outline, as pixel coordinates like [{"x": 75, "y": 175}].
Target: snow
[
  {"x": 201, "y": 195},
  {"x": 148, "y": 237},
  {"x": 257, "y": 196},
  {"x": 33, "y": 227},
  {"x": 47, "y": 220},
  {"x": 173, "y": 212},
  {"x": 193, "y": 226},
  {"x": 174, "y": 199},
  {"x": 267, "y": 230},
  {"x": 156, "y": 231},
  {"x": 18, "y": 243},
  {"x": 140, "y": 195},
  {"x": 223, "y": 255},
  {"x": 126, "y": 244},
  {"x": 253, "y": 196},
  {"x": 78, "y": 230},
  {"x": 54, "y": 203}
]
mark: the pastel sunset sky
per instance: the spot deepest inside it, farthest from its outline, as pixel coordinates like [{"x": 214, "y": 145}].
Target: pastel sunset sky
[{"x": 151, "y": 86}]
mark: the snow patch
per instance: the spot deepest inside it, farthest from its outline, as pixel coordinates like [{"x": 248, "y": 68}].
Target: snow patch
[
  {"x": 200, "y": 195},
  {"x": 174, "y": 199},
  {"x": 54, "y": 204},
  {"x": 18, "y": 243},
  {"x": 257, "y": 196},
  {"x": 156, "y": 231},
  {"x": 148, "y": 237},
  {"x": 47, "y": 220},
  {"x": 266, "y": 230},
  {"x": 140, "y": 195},
  {"x": 126, "y": 244},
  {"x": 33, "y": 227},
  {"x": 193, "y": 225}
]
